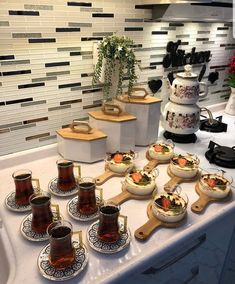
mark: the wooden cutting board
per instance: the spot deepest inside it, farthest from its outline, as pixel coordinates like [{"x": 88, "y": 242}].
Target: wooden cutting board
[
  {"x": 107, "y": 175},
  {"x": 200, "y": 205},
  {"x": 171, "y": 184},
  {"x": 153, "y": 163},
  {"x": 126, "y": 195},
  {"x": 153, "y": 223}
]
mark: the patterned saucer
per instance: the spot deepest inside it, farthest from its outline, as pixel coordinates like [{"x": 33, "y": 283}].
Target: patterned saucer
[
  {"x": 10, "y": 203},
  {"x": 29, "y": 234},
  {"x": 104, "y": 247},
  {"x": 75, "y": 214},
  {"x": 52, "y": 186},
  {"x": 51, "y": 273}
]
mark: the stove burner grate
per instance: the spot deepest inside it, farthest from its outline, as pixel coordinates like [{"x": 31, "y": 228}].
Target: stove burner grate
[
  {"x": 216, "y": 126},
  {"x": 221, "y": 155}
]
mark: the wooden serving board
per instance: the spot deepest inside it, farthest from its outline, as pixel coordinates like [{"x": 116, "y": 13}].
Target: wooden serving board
[
  {"x": 107, "y": 175},
  {"x": 200, "y": 205},
  {"x": 153, "y": 223},
  {"x": 171, "y": 184},
  {"x": 153, "y": 163},
  {"x": 126, "y": 195}
]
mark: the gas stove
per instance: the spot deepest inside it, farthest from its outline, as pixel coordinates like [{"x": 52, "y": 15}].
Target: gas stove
[
  {"x": 221, "y": 155},
  {"x": 180, "y": 138},
  {"x": 213, "y": 125}
]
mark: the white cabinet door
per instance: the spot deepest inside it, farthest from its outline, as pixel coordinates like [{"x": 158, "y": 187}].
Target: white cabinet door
[{"x": 196, "y": 260}]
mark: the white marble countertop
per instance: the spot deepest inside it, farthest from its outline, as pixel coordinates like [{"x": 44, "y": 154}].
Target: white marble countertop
[{"x": 107, "y": 268}]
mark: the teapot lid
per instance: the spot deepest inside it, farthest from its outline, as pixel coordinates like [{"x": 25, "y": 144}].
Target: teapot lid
[{"x": 187, "y": 74}]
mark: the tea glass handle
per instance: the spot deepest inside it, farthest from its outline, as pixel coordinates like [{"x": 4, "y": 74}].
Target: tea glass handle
[
  {"x": 36, "y": 180},
  {"x": 57, "y": 210},
  {"x": 136, "y": 155},
  {"x": 124, "y": 223},
  {"x": 204, "y": 94},
  {"x": 78, "y": 169},
  {"x": 100, "y": 189},
  {"x": 79, "y": 233},
  {"x": 155, "y": 172}
]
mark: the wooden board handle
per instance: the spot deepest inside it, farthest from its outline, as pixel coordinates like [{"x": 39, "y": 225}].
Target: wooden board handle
[
  {"x": 151, "y": 165},
  {"x": 144, "y": 231},
  {"x": 200, "y": 204},
  {"x": 172, "y": 183},
  {"x": 104, "y": 177},
  {"x": 121, "y": 197}
]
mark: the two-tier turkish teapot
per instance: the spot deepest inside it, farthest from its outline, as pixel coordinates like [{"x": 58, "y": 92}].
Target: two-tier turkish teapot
[{"x": 181, "y": 115}]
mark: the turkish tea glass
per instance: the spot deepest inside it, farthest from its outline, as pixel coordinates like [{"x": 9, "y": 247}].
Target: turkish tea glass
[
  {"x": 62, "y": 251},
  {"x": 23, "y": 186},
  {"x": 87, "y": 203},
  {"x": 42, "y": 215},
  {"x": 109, "y": 229},
  {"x": 66, "y": 179}
]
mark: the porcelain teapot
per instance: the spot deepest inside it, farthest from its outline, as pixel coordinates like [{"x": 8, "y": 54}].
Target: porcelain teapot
[
  {"x": 185, "y": 88},
  {"x": 181, "y": 119}
]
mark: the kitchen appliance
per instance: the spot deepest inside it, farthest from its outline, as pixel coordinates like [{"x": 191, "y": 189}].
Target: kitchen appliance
[
  {"x": 221, "y": 155},
  {"x": 212, "y": 125},
  {"x": 181, "y": 115}
]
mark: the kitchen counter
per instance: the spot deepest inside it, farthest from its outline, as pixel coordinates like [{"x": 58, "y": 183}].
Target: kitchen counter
[{"x": 139, "y": 255}]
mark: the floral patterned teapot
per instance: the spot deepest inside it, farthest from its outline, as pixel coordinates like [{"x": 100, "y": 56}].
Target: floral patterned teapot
[
  {"x": 181, "y": 119},
  {"x": 185, "y": 88}
]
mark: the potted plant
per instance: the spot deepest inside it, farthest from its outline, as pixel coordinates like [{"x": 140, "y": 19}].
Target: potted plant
[
  {"x": 231, "y": 72},
  {"x": 116, "y": 61},
  {"x": 230, "y": 107}
]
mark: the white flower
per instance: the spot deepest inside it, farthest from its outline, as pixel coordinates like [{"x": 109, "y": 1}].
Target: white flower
[{"x": 119, "y": 48}]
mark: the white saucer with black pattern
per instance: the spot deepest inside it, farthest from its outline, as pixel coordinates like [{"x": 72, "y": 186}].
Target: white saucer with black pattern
[
  {"x": 52, "y": 186},
  {"x": 75, "y": 214},
  {"x": 29, "y": 234},
  {"x": 11, "y": 204},
  {"x": 51, "y": 273},
  {"x": 104, "y": 247}
]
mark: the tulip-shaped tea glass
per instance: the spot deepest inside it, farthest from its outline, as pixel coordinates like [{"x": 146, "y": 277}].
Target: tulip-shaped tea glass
[
  {"x": 86, "y": 196},
  {"x": 23, "y": 186},
  {"x": 66, "y": 179},
  {"x": 62, "y": 252},
  {"x": 109, "y": 229},
  {"x": 42, "y": 215}
]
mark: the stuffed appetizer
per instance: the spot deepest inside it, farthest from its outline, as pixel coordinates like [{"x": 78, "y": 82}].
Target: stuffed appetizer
[
  {"x": 215, "y": 185},
  {"x": 120, "y": 162},
  {"x": 162, "y": 151},
  {"x": 140, "y": 182},
  {"x": 170, "y": 207},
  {"x": 185, "y": 166}
]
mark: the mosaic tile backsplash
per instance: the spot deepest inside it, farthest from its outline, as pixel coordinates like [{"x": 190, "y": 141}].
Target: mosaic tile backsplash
[{"x": 46, "y": 61}]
